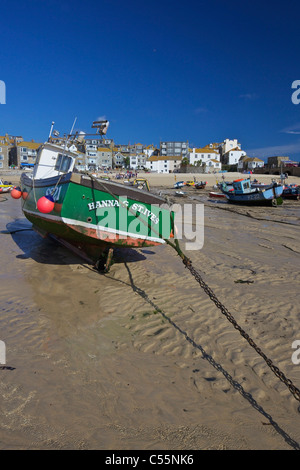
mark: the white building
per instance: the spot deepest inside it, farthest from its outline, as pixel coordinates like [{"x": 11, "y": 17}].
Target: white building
[
  {"x": 248, "y": 163},
  {"x": 229, "y": 144},
  {"x": 256, "y": 163},
  {"x": 81, "y": 161},
  {"x": 148, "y": 151},
  {"x": 163, "y": 164},
  {"x": 231, "y": 152},
  {"x": 119, "y": 160},
  {"x": 203, "y": 155},
  {"x": 137, "y": 162},
  {"x": 213, "y": 165},
  {"x": 232, "y": 157}
]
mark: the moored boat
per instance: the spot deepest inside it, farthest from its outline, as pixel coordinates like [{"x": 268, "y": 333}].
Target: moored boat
[
  {"x": 179, "y": 184},
  {"x": 5, "y": 186},
  {"x": 291, "y": 192},
  {"x": 180, "y": 193},
  {"x": 200, "y": 184},
  {"x": 88, "y": 214},
  {"x": 241, "y": 192},
  {"x": 217, "y": 195}
]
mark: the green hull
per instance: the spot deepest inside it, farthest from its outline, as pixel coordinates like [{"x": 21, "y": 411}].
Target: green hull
[{"x": 92, "y": 215}]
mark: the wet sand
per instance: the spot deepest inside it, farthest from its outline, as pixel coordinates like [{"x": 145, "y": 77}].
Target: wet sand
[{"x": 140, "y": 358}]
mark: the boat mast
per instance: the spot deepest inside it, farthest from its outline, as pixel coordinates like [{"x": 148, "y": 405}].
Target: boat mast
[{"x": 51, "y": 129}]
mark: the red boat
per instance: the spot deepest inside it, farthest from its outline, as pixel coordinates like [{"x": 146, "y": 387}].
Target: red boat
[{"x": 217, "y": 195}]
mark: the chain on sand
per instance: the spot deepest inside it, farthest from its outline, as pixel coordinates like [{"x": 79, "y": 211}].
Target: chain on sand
[{"x": 289, "y": 384}]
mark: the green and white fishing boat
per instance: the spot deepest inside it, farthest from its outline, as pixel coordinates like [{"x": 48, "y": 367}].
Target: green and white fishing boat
[{"x": 87, "y": 214}]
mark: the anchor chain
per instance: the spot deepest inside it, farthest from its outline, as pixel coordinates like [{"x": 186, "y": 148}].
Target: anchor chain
[{"x": 289, "y": 384}]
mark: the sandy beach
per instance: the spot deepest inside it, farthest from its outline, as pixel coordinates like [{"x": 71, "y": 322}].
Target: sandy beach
[{"x": 141, "y": 358}]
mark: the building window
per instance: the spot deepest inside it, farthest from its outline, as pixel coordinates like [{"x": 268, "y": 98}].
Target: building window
[
  {"x": 1, "y": 165},
  {"x": 1, "y": 157},
  {"x": 24, "y": 158}
]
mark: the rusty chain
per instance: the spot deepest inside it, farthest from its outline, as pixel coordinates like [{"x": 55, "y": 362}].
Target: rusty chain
[{"x": 289, "y": 384}]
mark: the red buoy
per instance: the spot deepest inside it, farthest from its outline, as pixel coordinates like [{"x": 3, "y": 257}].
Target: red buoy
[
  {"x": 16, "y": 193},
  {"x": 45, "y": 204}
]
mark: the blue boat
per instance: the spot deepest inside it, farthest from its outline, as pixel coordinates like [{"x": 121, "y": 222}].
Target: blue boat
[
  {"x": 242, "y": 192},
  {"x": 180, "y": 184}
]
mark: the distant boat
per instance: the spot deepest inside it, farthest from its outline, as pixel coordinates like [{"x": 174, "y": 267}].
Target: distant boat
[
  {"x": 291, "y": 192},
  {"x": 200, "y": 184},
  {"x": 5, "y": 187},
  {"x": 217, "y": 195},
  {"x": 241, "y": 192},
  {"x": 179, "y": 184},
  {"x": 180, "y": 193}
]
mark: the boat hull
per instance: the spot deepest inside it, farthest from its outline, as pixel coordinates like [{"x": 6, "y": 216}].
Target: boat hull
[
  {"x": 217, "y": 195},
  {"x": 291, "y": 193},
  {"x": 270, "y": 196},
  {"x": 92, "y": 215},
  {"x": 5, "y": 189}
]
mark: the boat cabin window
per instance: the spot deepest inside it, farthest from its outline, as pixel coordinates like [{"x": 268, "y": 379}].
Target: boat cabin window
[
  {"x": 63, "y": 163},
  {"x": 246, "y": 185}
]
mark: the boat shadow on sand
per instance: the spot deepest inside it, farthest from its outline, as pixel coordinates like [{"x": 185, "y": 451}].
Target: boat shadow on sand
[{"x": 49, "y": 251}]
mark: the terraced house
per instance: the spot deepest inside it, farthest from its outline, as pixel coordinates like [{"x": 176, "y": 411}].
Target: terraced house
[
  {"x": 162, "y": 164},
  {"x": 23, "y": 154},
  {"x": 4, "y": 155},
  {"x": 7, "y": 143},
  {"x": 104, "y": 157}
]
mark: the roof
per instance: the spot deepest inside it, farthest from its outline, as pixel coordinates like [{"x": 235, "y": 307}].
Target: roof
[
  {"x": 206, "y": 150},
  {"x": 104, "y": 149},
  {"x": 213, "y": 145},
  {"x": 235, "y": 149},
  {"x": 29, "y": 145},
  {"x": 245, "y": 158}
]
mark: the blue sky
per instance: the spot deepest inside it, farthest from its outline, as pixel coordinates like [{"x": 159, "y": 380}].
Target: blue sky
[{"x": 201, "y": 71}]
